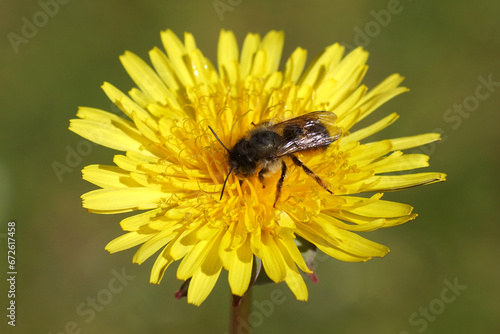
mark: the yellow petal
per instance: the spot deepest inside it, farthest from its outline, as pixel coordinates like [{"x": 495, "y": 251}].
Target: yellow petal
[
  {"x": 140, "y": 98},
  {"x": 201, "y": 285},
  {"x": 176, "y": 249},
  {"x": 371, "y": 102},
  {"x": 259, "y": 64},
  {"x": 227, "y": 54},
  {"x": 398, "y": 182},
  {"x": 398, "y": 162},
  {"x": 297, "y": 285},
  {"x": 347, "y": 111},
  {"x": 365, "y": 154},
  {"x": 151, "y": 246},
  {"x": 404, "y": 143},
  {"x": 201, "y": 70},
  {"x": 290, "y": 256},
  {"x": 371, "y": 129},
  {"x": 240, "y": 269},
  {"x": 250, "y": 47},
  {"x": 272, "y": 44},
  {"x": 136, "y": 222},
  {"x": 323, "y": 64},
  {"x": 348, "y": 75},
  {"x": 189, "y": 41},
  {"x": 148, "y": 128},
  {"x": 359, "y": 223},
  {"x": 127, "y": 163},
  {"x": 127, "y": 198},
  {"x": 295, "y": 65},
  {"x": 350, "y": 64},
  {"x": 145, "y": 78},
  {"x": 111, "y": 134},
  {"x": 108, "y": 176},
  {"x": 161, "y": 264},
  {"x": 389, "y": 83},
  {"x": 365, "y": 226},
  {"x": 351, "y": 242},
  {"x": 164, "y": 69},
  {"x": 376, "y": 208},
  {"x": 123, "y": 102},
  {"x": 128, "y": 240},
  {"x": 329, "y": 247},
  {"x": 177, "y": 55},
  {"x": 289, "y": 248},
  {"x": 98, "y": 115},
  {"x": 196, "y": 256},
  {"x": 272, "y": 259},
  {"x": 206, "y": 275}
]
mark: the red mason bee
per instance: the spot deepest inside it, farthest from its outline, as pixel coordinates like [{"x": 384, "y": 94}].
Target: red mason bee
[{"x": 261, "y": 150}]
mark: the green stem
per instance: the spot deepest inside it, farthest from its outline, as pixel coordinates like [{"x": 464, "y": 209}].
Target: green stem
[{"x": 239, "y": 315}]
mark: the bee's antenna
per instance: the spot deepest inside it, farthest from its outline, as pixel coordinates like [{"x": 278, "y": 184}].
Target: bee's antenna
[
  {"x": 230, "y": 170},
  {"x": 220, "y": 143},
  {"x": 224, "y": 185}
]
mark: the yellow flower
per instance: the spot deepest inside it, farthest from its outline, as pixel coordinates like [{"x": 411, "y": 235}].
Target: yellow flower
[{"x": 174, "y": 168}]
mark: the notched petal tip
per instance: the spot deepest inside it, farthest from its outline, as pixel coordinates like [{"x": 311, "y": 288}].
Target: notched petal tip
[{"x": 443, "y": 177}]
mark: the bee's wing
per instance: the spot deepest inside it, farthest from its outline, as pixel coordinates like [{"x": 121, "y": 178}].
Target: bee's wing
[{"x": 309, "y": 131}]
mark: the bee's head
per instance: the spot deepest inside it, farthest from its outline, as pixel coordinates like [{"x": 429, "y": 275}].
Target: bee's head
[
  {"x": 242, "y": 158},
  {"x": 238, "y": 160}
]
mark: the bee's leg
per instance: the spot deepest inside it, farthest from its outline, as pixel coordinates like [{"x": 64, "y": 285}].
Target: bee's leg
[
  {"x": 310, "y": 173},
  {"x": 280, "y": 182},
  {"x": 261, "y": 176}
]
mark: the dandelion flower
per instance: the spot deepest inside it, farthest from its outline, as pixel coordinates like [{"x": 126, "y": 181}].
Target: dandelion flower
[{"x": 173, "y": 168}]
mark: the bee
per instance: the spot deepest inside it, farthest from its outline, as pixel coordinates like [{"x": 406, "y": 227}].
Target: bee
[{"x": 262, "y": 149}]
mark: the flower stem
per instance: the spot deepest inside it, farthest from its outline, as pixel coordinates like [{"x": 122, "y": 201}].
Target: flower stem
[{"x": 239, "y": 315}]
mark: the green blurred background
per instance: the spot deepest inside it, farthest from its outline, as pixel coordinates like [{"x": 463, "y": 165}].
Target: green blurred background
[{"x": 443, "y": 48}]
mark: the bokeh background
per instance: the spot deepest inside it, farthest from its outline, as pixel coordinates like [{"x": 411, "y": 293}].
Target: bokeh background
[{"x": 443, "y": 48}]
